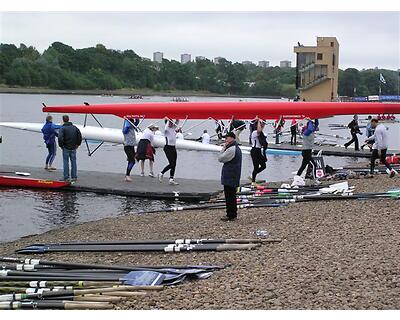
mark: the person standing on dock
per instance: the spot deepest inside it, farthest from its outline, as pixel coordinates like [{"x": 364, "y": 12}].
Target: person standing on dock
[
  {"x": 259, "y": 147},
  {"x": 49, "y": 131},
  {"x": 308, "y": 145},
  {"x": 293, "y": 130},
  {"x": 379, "y": 148},
  {"x": 369, "y": 131},
  {"x": 279, "y": 124},
  {"x": 354, "y": 130},
  {"x": 129, "y": 132},
  {"x": 231, "y": 157},
  {"x": 170, "y": 131},
  {"x": 69, "y": 139},
  {"x": 145, "y": 150},
  {"x": 219, "y": 128}
]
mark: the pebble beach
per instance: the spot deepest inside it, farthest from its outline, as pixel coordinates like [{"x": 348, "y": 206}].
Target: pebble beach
[{"x": 333, "y": 254}]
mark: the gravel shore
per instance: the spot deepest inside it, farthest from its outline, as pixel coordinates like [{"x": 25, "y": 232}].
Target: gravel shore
[{"x": 333, "y": 255}]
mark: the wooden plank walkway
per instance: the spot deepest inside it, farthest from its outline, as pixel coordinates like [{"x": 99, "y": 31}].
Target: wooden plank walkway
[{"x": 113, "y": 183}]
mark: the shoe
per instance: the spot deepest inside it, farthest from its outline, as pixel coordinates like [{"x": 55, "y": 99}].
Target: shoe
[
  {"x": 160, "y": 177},
  {"x": 51, "y": 168},
  {"x": 128, "y": 179},
  {"x": 142, "y": 174},
  {"x": 228, "y": 219},
  {"x": 74, "y": 179},
  {"x": 151, "y": 174},
  {"x": 392, "y": 173},
  {"x": 64, "y": 179},
  {"x": 173, "y": 182},
  {"x": 46, "y": 168}
]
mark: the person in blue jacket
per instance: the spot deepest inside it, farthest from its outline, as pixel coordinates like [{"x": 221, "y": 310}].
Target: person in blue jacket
[
  {"x": 308, "y": 144},
  {"x": 129, "y": 131},
  {"x": 49, "y": 131}
]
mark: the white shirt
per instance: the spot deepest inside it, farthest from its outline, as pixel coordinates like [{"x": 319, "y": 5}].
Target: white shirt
[
  {"x": 380, "y": 136},
  {"x": 254, "y": 140},
  {"x": 148, "y": 134},
  {"x": 205, "y": 138},
  {"x": 170, "y": 135}
]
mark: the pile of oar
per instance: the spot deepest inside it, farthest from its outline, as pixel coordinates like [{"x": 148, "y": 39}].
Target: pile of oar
[
  {"x": 179, "y": 245},
  {"x": 262, "y": 195},
  {"x": 38, "y": 284}
]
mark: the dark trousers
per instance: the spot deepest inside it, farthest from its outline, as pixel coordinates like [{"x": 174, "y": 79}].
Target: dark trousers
[
  {"x": 170, "y": 152},
  {"x": 355, "y": 140},
  {"x": 230, "y": 200},
  {"x": 307, "y": 158},
  {"x": 51, "y": 147},
  {"x": 130, "y": 156},
  {"x": 293, "y": 138},
  {"x": 258, "y": 162},
  {"x": 382, "y": 157}
]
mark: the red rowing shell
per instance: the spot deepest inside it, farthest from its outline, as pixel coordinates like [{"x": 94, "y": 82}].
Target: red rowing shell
[
  {"x": 227, "y": 110},
  {"x": 7, "y": 181}
]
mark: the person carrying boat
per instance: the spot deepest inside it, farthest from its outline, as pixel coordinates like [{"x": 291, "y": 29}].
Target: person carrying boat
[
  {"x": 145, "y": 150},
  {"x": 369, "y": 131},
  {"x": 252, "y": 127},
  {"x": 69, "y": 139},
  {"x": 379, "y": 148},
  {"x": 259, "y": 147},
  {"x": 49, "y": 131},
  {"x": 231, "y": 157},
  {"x": 219, "y": 127},
  {"x": 129, "y": 132},
  {"x": 354, "y": 130},
  {"x": 237, "y": 126},
  {"x": 293, "y": 131},
  {"x": 308, "y": 145},
  {"x": 170, "y": 131}
]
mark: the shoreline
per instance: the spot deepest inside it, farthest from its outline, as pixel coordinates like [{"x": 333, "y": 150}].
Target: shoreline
[
  {"x": 125, "y": 92},
  {"x": 334, "y": 255}
]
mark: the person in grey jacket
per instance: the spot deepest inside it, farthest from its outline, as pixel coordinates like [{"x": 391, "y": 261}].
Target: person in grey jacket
[
  {"x": 308, "y": 144},
  {"x": 380, "y": 146},
  {"x": 231, "y": 157},
  {"x": 69, "y": 139}
]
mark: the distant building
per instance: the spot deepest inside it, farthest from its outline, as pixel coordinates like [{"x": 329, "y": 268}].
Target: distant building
[
  {"x": 285, "y": 64},
  {"x": 158, "y": 56},
  {"x": 185, "y": 58},
  {"x": 199, "y": 58},
  {"x": 317, "y": 70},
  {"x": 217, "y": 59},
  {"x": 263, "y": 64},
  {"x": 247, "y": 63}
]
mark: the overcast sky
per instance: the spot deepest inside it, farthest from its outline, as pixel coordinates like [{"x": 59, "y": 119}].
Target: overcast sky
[{"x": 367, "y": 39}]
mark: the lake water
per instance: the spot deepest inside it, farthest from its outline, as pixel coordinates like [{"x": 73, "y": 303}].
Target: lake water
[{"x": 24, "y": 212}]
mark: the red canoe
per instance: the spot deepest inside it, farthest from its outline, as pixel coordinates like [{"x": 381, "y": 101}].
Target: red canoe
[{"x": 7, "y": 181}]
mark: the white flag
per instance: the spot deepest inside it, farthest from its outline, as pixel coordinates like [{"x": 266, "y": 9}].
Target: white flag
[{"x": 382, "y": 79}]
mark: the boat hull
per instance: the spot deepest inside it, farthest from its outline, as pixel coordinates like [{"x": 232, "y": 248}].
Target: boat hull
[{"x": 18, "y": 182}]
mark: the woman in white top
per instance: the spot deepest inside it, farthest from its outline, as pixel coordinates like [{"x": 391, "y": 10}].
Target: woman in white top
[
  {"x": 170, "y": 131},
  {"x": 145, "y": 150},
  {"x": 258, "y": 148}
]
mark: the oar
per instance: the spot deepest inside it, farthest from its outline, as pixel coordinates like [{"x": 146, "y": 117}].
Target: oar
[
  {"x": 50, "y": 304},
  {"x": 101, "y": 266},
  {"x": 137, "y": 248},
  {"x": 18, "y": 173}
]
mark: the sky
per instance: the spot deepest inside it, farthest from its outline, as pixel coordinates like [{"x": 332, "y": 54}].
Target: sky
[{"x": 366, "y": 39}]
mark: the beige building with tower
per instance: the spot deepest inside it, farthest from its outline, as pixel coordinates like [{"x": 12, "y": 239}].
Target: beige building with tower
[{"x": 317, "y": 70}]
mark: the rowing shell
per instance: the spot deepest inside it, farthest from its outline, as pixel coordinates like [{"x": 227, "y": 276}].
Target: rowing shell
[
  {"x": 115, "y": 136},
  {"x": 227, "y": 110},
  {"x": 7, "y": 181}
]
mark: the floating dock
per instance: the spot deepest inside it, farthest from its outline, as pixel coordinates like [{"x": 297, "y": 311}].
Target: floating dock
[
  {"x": 331, "y": 151},
  {"x": 113, "y": 183}
]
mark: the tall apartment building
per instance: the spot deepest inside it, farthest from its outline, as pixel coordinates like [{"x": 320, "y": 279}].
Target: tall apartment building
[
  {"x": 317, "y": 70},
  {"x": 158, "y": 56},
  {"x": 285, "y": 64},
  {"x": 217, "y": 59},
  {"x": 263, "y": 64},
  {"x": 185, "y": 58}
]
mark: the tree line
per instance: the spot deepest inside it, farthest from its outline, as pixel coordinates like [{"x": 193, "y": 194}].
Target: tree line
[{"x": 63, "y": 67}]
